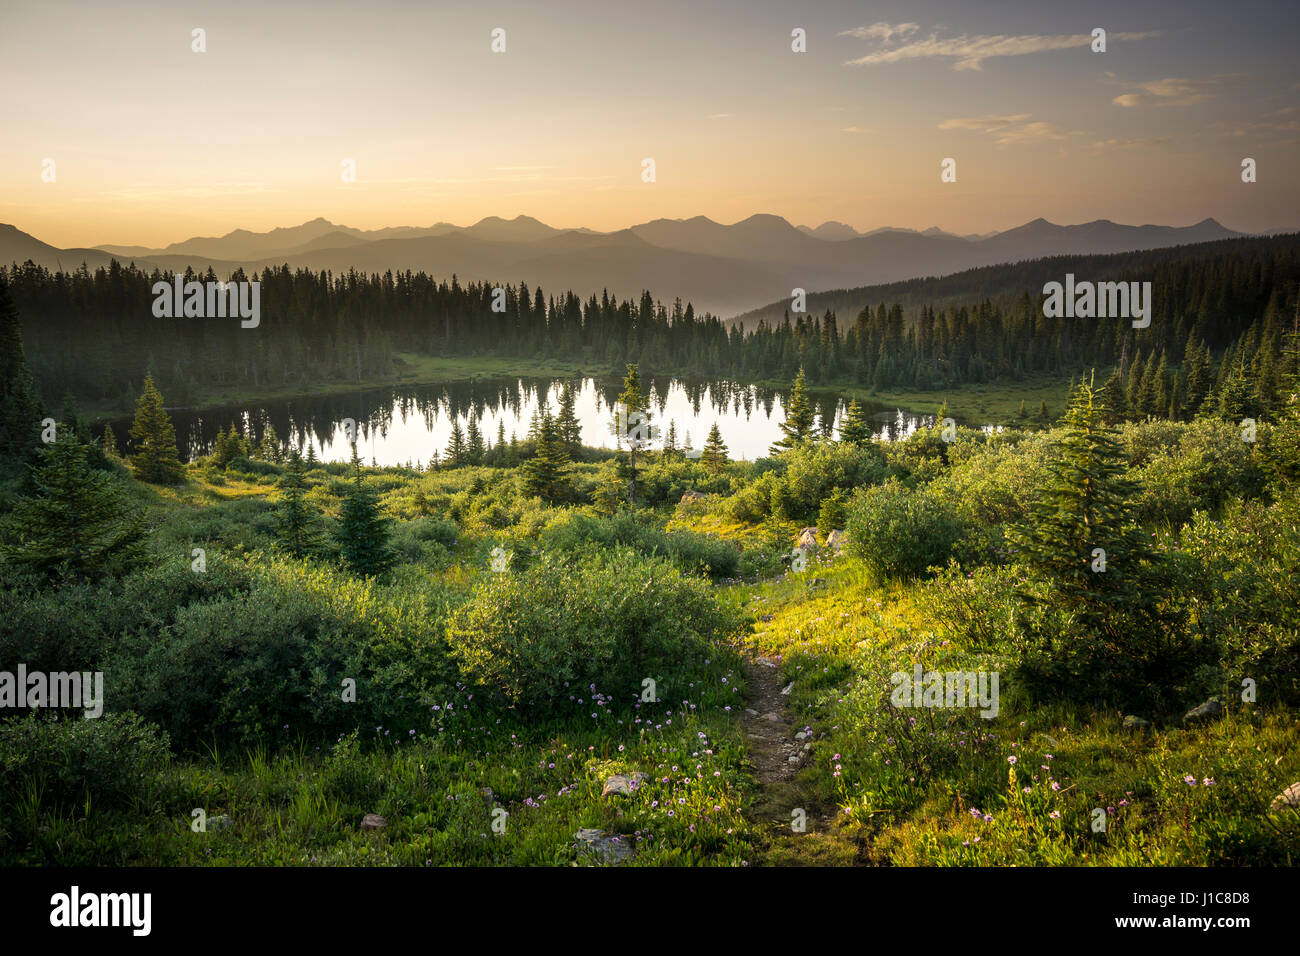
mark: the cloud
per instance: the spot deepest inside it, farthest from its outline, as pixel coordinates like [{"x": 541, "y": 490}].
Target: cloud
[
  {"x": 969, "y": 52},
  {"x": 855, "y": 129},
  {"x": 720, "y": 116},
  {"x": 1007, "y": 130},
  {"x": 881, "y": 31},
  {"x": 1175, "y": 91},
  {"x": 1137, "y": 142}
]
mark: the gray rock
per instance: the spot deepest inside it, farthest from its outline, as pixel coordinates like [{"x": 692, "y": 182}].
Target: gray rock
[
  {"x": 1052, "y": 741},
  {"x": 807, "y": 539},
  {"x": 772, "y": 716},
  {"x": 623, "y": 783},
  {"x": 1207, "y": 711},
  {"x": 218, "y": 823},
  {"x": 788, "y": 687},
  {"x": 1290, "y": 797},
  {"x": 801, "y": 735},
  {"x": 835, "y": 540},
  {"x": 609, "y": 849},
  {"x": 1135, "y": 723},
  {"x": 373, "y": 821},
  {"x": 794, "y": 759}
]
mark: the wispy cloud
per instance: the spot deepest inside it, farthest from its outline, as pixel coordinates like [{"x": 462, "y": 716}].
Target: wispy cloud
[
  {"x": 1006, "y": 130},
  {"x": 1175, "y": 91},
  {"x": 898, "y": 42},
  {"x": 855, "y": 129}
]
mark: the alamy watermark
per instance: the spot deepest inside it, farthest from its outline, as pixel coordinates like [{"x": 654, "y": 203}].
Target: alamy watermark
[
  {"x": 1099, "y": 300},
  {"x": 36, "y": 689},
  {"x": 209, "y": 300},
  {"x": 950, "y": 689}
]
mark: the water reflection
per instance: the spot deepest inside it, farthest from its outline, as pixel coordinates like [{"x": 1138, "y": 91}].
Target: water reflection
[{"x": 406, "y": 424}]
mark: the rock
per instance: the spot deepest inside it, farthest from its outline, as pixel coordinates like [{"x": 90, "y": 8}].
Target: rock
[
  {"x": 807, "y": 747},
  {"x": 692, "y": 496},
  {"x": 623, "y": 783},
  {"x": 772, "y": 716},
  {"x": 751, "y": 711},
  {"x": 794, "y": 759},
  {"x": 1290, "y": 797},
  {"x": 801, "y": 735},
  {"x": 788, "y": 687},
  {"x": 835, "y": 541},
  {"x": 1207, "y": 711},
  {"x": 1135, "y": 723},
  {"x": 373, "y": 821},
  {"x": 1052, "y": 741},
  {"x": 807, "y": 539},
  {"x": 488, "y": 796},
  {"x": 767, "y": 662},
  {"x": 610, "y": 849},
  {"x": 218, "y": 823}
]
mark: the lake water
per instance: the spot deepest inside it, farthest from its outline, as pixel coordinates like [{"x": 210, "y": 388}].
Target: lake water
[{"x": 408, "y": 423}]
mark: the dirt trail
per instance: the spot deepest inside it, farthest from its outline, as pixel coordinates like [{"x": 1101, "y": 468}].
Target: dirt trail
[{"x": 770, "y": 730}]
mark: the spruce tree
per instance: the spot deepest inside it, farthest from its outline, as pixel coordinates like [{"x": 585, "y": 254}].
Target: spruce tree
[
  {"x": 854, "y": 429},
  {"x": 566, "y": 421},
  {"x": 269, "y": 450},
  {"x": 155, "y": 459},
  {"x": 20, "y": 413},
  {"x": 456, "y": 452},
  {"x": 77, "y": 523},
  {"x": 714, "y": 456},
  {"x": 363, "y": 531},
  {"x": 109, "y": 442},
  {"x": 1087, "y": 504},
  {"x": 295, "y": 519},
  {"x": 546, "y": 473},
  {"x": 473, "y": 442},
  {"x": 799, "y": 416},
  {"x": 632, "y": 429}
]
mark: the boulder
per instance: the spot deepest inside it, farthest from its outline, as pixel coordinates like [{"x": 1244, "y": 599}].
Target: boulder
[
  {"x": 692, "y": 496},
  {"x": 623, "y": 783},
  {"x": 788, "y": 687},
  {"x": 835, "y": 541},
  {"x": 373, "y": 821},
  {"x": 1290, "y": 797},
  {"x": 807, "y": 539},
  {"x": 1206, "y": 711},
  {"x": 1135, "y": 723},
  {"x": 609, "y": 849}
]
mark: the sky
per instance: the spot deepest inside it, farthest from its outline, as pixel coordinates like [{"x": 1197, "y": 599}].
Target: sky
[{"x": 152, "y": 142}]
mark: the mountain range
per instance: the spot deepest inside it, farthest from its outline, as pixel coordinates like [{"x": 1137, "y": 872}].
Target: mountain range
[{"x": 723, "y": 269}]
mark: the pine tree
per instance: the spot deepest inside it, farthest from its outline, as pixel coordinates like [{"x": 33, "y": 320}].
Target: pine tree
[
  {"x": 270, "y": 447},
  {"x": 1088, "y": 504},
  {"x": 714, "y": 455},
  {"x": 632, "y": 406},
  {"x": 1198, "y": 377},
  {"x": 78, "y": 522},
  {"x": 566, "y": 421},
  {"x": 312, "y": 460},
  {"x": 546, "y": 473},
  {"x": 854, "y": 429},
  {"x": 226, "y": 447},
  {"x": 473, "y": 442},
  {"x": 295, "y": 518},
  {"x": 1043, "y": 415},
  {"x": 798, "y": 425},
  {"x": 109, "y": 442},
  {"x": 155, "y": 459},
  {"x": 456, "y": 450},
  {"x": 670, "y": 441},
  {"x": 363, "y": 531},
  {"x": 20, "y": 413}
]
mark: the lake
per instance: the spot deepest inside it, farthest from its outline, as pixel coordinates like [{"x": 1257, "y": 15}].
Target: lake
[{"x": 406, "y": 424}]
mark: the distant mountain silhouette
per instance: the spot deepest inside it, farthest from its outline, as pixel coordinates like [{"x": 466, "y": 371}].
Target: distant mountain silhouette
[{"x": 725, "y": 269}]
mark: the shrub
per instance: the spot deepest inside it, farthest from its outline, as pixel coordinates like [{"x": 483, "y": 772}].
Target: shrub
[
  {"x": 590, "y": 628},
  {"x": 900, "y": 532},
  {"x": 114, "y": 760}
]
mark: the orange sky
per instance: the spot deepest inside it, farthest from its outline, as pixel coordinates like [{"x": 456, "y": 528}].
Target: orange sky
[{"x": 154, "y": 143}]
